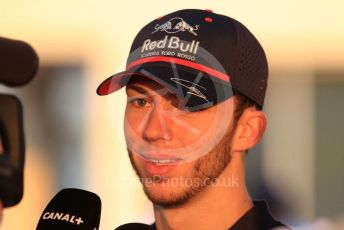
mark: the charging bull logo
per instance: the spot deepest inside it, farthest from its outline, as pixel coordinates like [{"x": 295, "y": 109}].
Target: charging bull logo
[{"x": 175, "y": 25}]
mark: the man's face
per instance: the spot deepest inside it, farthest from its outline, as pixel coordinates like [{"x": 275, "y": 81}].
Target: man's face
[{"x": 175, "y": 153}]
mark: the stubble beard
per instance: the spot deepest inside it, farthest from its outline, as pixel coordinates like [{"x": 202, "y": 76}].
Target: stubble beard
[{"x": 205, "y": 170}]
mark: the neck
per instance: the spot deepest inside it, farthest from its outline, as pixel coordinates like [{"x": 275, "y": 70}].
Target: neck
[{"x": 215, "y": 207}]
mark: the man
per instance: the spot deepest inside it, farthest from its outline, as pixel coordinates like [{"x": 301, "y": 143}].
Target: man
[{"x": 195, "y": 84}]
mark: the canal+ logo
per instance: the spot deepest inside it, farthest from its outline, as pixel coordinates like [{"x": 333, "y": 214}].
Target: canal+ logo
[
  {"x": 175, "y": 25},
  {"x": 60, "y": 216}
]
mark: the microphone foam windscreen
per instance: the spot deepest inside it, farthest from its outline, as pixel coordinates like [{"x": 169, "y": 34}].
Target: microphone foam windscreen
[
  {"x": 18, "y": 62},
  {"x": 71, "y": 209}
]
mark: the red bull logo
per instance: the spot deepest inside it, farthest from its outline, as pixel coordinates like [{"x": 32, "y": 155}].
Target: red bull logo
[
  {"x": 176, "y": 25},
  {"x": 173, "y": 43}
]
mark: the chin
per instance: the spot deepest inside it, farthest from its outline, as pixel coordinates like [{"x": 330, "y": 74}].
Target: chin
[
  {"x": 166, "y": 195},
  {"x": 171, "y": 192}
]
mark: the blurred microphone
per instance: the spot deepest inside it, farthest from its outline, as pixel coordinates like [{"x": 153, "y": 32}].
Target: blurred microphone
[
  {"x": 71, "y": 209},
  {"x": 12, "y": 155},
  {"x": 18, "y": 62},
  {"x": 18, "y": 65}
]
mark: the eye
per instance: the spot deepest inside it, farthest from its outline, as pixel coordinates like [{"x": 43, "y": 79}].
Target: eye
[{"x": 138, "y": 102}]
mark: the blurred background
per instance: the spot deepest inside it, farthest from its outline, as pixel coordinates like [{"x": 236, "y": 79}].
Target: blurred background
[{"x": 74, "y": 137}]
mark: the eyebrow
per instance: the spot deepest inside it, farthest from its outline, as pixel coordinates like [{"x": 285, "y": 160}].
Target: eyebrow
[
  {"x": 138, "y": 89},
  {"x": 143, "y": 90}
]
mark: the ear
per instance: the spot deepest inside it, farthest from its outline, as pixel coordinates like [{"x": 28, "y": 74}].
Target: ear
[{"x": 249, "y": 130}]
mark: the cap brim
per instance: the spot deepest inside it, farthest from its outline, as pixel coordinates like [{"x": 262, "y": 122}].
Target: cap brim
[
  {"x": 199, "y": 89},
  {"x": 114, "y": 83}
]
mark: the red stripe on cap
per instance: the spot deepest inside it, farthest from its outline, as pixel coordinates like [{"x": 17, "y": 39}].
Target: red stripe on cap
[{"x": 183, "y": 62}]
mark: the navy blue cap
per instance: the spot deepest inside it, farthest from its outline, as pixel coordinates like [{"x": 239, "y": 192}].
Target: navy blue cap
[{"x": 199, "y": 55}]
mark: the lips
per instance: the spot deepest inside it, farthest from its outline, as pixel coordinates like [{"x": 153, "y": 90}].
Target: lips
[
  {"x": 160, "y": 165},
  {"x": 160, "y": 158}
]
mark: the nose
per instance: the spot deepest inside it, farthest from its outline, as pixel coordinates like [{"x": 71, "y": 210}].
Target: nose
[{"x": 157, "y": 127}]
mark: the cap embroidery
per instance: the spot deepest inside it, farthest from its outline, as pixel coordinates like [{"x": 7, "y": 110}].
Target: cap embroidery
[
  {"x": 175, "y": 25},
  {"x": 192, "y": 88}
]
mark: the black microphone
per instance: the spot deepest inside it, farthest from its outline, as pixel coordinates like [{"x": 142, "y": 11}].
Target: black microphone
[
  {"x": 71, "y": 209},
  {"x": 18, "y": 62},
  {"x": 136, "y": 226}
]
